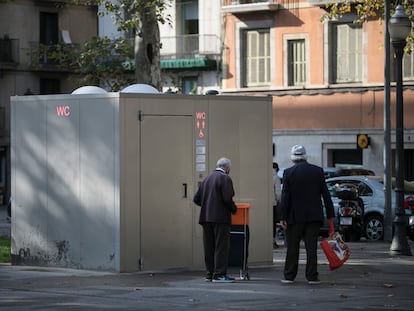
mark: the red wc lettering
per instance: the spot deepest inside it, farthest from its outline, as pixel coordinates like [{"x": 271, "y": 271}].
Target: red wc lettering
[{"x": 63, "y": 111}]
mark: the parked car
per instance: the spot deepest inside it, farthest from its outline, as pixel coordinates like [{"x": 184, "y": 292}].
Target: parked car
[
  {"x": 339, "y": 171},
  {"x": 330, "y": 172},
  {"x": 371, "y": 191},
  {"x": 411, "y": 228},
  {"x": 409, "y": 205}
]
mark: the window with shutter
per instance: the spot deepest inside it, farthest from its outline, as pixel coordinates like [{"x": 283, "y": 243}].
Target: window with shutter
[
  {"x": 408, "y": 67},
  {"x": 347, "y": 53},
  {"x": 296, "y": 62},
  {"x": 256, "y": 57}
]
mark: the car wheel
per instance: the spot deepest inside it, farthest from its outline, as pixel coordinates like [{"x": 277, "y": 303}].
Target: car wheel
[{"x": 374, "y": 228}]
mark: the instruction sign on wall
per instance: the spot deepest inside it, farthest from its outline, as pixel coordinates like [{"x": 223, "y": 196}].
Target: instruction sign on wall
[{"x": 200, "y": 144}]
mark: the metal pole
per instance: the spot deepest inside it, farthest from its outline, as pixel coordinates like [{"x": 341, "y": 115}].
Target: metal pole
[
  {"x": 387, "y": 128},
  {"x": 399, "y": 245}
]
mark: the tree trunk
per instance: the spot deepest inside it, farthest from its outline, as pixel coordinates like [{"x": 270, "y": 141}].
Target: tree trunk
[{"x": 147, "y": 50}]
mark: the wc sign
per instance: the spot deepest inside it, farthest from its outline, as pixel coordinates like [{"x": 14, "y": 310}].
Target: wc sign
[
  {"x": 63, "y": 111},
  {"x": 201, "y": 123}
]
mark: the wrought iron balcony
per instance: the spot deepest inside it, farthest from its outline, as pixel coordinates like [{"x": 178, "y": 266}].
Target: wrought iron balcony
[
  {"x": 247, "y": 6},
  {"x": 49, "y": 56}
]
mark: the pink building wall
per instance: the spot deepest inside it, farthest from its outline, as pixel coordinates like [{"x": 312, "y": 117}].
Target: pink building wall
[{"x": 344, "y": 106}]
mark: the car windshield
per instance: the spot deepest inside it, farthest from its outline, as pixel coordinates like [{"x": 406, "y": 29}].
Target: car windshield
[{"x": 363, "y": 188}]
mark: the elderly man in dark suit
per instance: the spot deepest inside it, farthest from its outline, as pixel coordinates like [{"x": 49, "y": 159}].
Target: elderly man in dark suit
[
  {"x": 302, "y": 213},
  {"x": 215, "y": 196}
]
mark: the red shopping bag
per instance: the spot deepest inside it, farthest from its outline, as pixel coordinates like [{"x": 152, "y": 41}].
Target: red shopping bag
[{"x": 336, "y": 251}]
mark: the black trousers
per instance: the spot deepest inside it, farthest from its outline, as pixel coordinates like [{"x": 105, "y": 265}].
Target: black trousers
[
  {"x": 216, "y": 238},
  {"x": 309, "y": 232}
]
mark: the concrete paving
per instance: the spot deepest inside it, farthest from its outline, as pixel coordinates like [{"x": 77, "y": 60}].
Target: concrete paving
[{"x": 372, "y": 279}]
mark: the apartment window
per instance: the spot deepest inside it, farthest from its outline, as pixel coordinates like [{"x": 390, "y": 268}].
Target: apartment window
[
  {"x": 189, "y": 85},
  {"x": 408, "y": 67},
  {"x": 49, "y": 86},
  {"x": 257, "y": 57},
  {"x": 296, "y": 62},
  {"x": 48, "y": 32},
  {"x": 347, "y": 53},
  {"x": 187, "y": 12},
  {"x": 187, "y": 26}
]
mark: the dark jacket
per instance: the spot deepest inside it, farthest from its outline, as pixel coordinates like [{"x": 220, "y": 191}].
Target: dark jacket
[
  {"x": 303, "y": 186},
  {"x": 215, "y": 196}
]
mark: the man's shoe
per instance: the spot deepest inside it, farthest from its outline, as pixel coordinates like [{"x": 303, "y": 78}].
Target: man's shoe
[
  {"x": 208, "y": 277},
  {"x": 223, "y": 279},
  {"x": 285, "y": 281},
  {"x": 314, "y": 282}
]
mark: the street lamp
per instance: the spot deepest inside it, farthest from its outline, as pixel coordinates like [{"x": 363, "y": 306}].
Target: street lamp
[{"x": 399, "y": 27}]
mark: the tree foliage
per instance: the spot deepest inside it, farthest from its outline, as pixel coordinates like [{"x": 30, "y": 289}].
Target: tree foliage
[
  {"x": 141, "y": 17},
  {"x": 127, "y": 13},
  {"x": 107, "y": 62},
  {"x": 115, "y": 63},
  {"x": 365, "y": 10},
  {"x": 99, "y": 61}
]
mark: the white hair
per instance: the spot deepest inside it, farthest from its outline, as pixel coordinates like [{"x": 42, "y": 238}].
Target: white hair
[{"x": 223, "y": 163}]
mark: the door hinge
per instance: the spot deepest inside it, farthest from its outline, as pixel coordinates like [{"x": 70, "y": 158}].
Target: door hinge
[{"x": 140, "y": 115}]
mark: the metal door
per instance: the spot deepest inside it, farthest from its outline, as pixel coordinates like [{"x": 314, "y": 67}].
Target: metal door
[{"x": 166, "y": 191}]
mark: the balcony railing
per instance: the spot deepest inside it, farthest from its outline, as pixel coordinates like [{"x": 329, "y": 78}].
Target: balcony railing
[
  {"x": 246, "y": 6},
  {"x": 235, "y": 2},
  {"x": 9, "y": 51},
  {"x": 49, "y": 55},
  {"x": 187, "y": 46}
]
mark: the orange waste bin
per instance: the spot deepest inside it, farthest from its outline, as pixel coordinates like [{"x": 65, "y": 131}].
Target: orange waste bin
[
  {"x": 239, "y": 240},
  {"x": 242, "y": 215}
]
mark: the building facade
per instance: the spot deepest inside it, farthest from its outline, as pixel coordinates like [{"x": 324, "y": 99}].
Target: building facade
[
  {"x": 326, "y": 79},
  {"x": 191, "y": 47},
  {"x": 27, "y": 27},
  {"x": 191, "y": 52}
]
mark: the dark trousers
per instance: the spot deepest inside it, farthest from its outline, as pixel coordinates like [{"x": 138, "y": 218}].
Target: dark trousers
[
  {"x": 294, "y": 234},
  {"x": 216, "y": 238}
]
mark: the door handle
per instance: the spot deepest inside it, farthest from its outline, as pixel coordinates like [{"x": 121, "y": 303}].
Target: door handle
[{"x": 184, "y": 190}]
